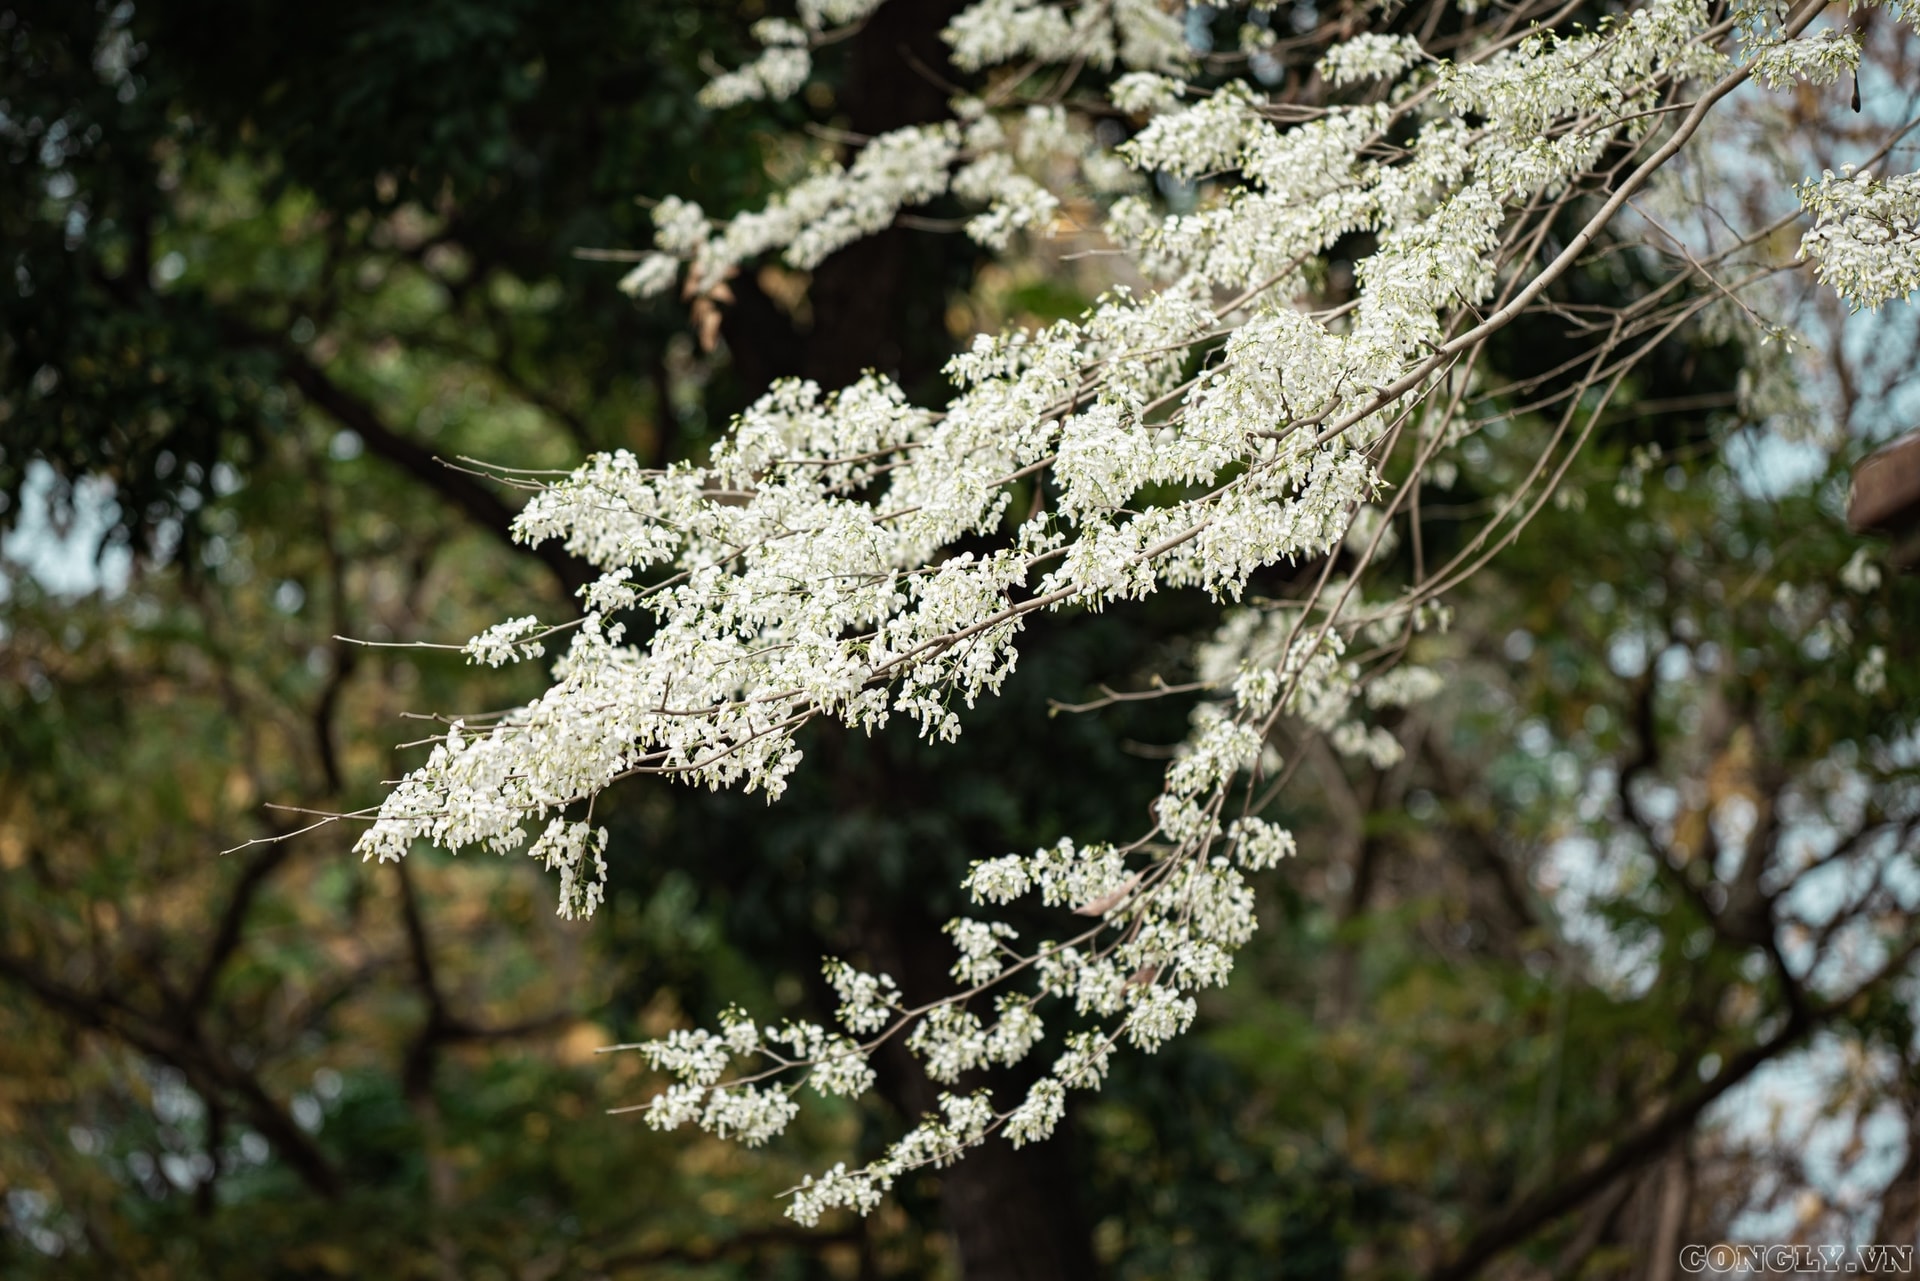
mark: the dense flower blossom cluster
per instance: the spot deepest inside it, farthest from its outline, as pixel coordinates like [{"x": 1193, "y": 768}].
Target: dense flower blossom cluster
[
  {"x": 786, "y": 61},
  {"x": 808, "y": 567},
  {"x": 1865, "y": 241}
]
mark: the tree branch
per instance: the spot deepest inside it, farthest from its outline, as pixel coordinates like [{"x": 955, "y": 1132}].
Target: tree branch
[
  {"x": 1651, "y": 1138},
  {"x": 474, "y": 500},
  {"x": 209, "y": 1071},
  {"x": 233, "y": 920}
]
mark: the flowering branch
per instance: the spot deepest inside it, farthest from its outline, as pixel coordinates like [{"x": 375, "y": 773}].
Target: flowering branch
[{"x": 1190, "y": 432}]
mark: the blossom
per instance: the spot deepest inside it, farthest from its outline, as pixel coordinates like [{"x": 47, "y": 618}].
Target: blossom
[
  {"x": 1369, "y": 56},
  {"x": 506, "y": 642},
  {"x": 1860, "y": 574},
  {"x": 1035, "y": 1118},
  {"x": 1865, "y": 240},
  {"x": 1871, "y": 676},
  {"x": 845, "y": 553},
  {"x": 654, "y": 274}
]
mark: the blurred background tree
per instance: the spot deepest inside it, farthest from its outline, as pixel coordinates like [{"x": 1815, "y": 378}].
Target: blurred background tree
[{"x": 1513, "y": 1010}]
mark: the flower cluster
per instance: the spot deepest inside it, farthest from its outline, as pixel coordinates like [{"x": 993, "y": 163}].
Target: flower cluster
[
  {"x": 785, "y": 62},
  {"x": 1865, "y": 240},
  {"x": 1369, "y": 57},
  {"x": 1217, "y": 418}
]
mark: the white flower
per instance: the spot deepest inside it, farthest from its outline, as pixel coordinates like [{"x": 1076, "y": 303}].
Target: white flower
[
  {"x": 1865, "y": 240},
  {"x": 1819, "y": 59},
  {"x": 842, "y": 1070},
  {"x": 998, "y": 880},
  {"x": 867, "y": 1001},
  {"x": 996, "y": 31},
  {"x": 1367, "y": 57},
  {"x": 1016, "y": 1031},
  {"x": 1259, "y": 845},
  {"x": 1376, "y": 744},
  {"x": 576, "y": 852},
  {"x": 506, "y": 642},
  {"x": 1038, "y": 1113},
  {"x": 1084, "y": 1065},
  {"x": 1403, "y": 687},
  {"x": 675, "y": 1107},
  {"x": 1160, "y": 1015},
  {"x": 980, "y": 944},
  {"x": 748, "y": 1113},
  {"x": 1143, "y": 92},
  {"x": 818, "y": 14},
  {"x": 679, "y": 226},
  {"x": 1871, "y": 676},
  {"x": 1860, "y": 574},
  {"x": 949, "y": 1041},
  {"x": 696, "y": 1057},
  {"x": 654, "y": 274},
  {"x": 845, "y": 553},
  {"x": 739, "y": 1031}
]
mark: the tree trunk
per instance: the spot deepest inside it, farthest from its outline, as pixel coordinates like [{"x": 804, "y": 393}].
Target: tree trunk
[
  {"x": 871, "y": 308},
  {"x": 1014, "y": 1212},
  {"x": 1015, "y": 1215},
  {"x": 1900, "y": 1203},
  {"x": 879, "y": 304}
]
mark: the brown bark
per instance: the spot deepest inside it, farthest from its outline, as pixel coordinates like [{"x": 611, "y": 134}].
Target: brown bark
[
  {"x": 864, "y": 297},
  {"x": 1015, "y": 1216}
]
